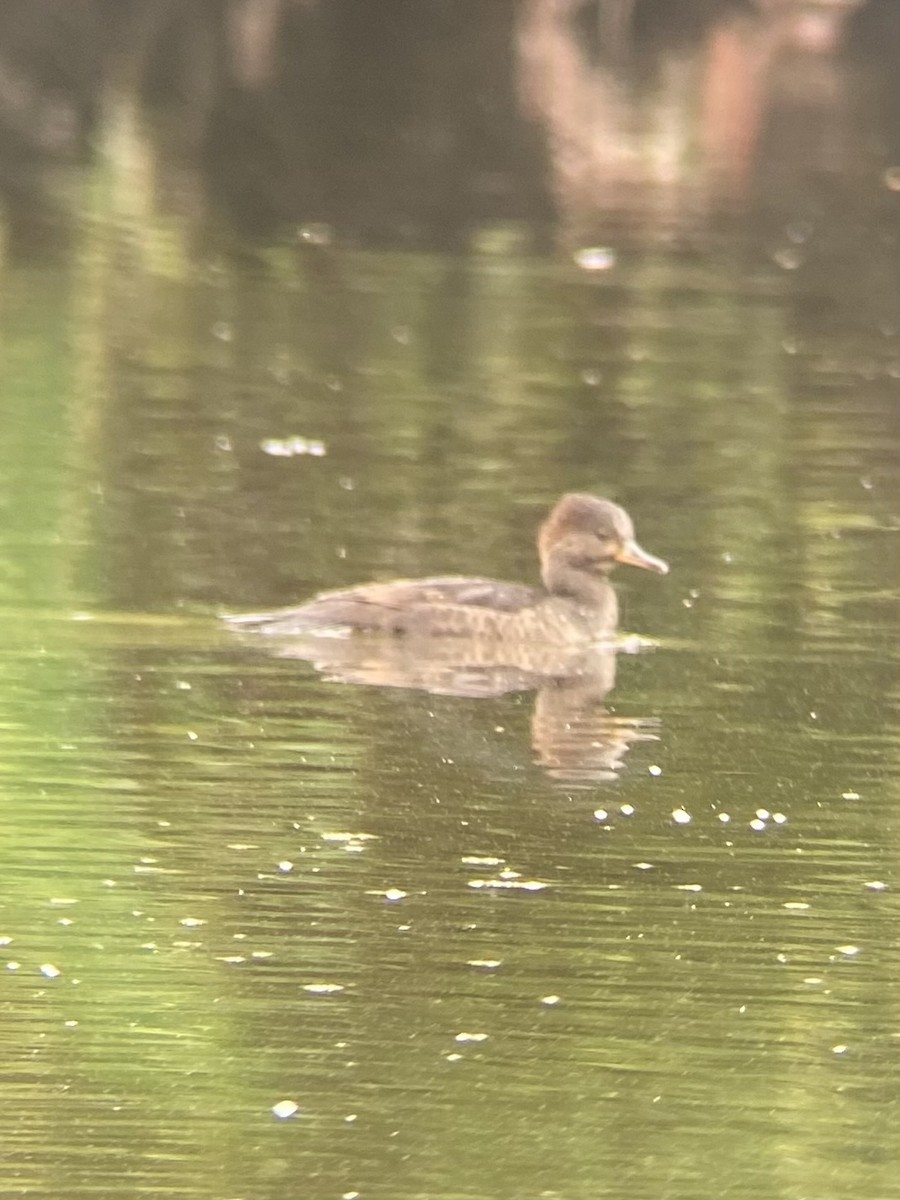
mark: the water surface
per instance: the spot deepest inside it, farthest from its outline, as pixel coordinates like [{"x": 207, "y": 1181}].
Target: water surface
[{"x": 499, "y": 944}]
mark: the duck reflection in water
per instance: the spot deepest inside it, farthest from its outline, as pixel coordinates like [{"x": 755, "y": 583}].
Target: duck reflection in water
[{"x": 477, "y": 637}]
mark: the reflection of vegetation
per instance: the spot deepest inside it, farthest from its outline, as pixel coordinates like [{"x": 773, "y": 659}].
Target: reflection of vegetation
[
  {"x": 403, "y": 122},
  {"x": 36, "y": 374}
]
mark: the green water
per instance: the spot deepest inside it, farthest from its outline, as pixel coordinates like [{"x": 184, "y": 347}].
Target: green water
[{"x": 650, "y": 949}]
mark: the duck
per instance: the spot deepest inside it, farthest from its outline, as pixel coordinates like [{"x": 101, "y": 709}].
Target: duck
[{"x": 579, "y": 543}]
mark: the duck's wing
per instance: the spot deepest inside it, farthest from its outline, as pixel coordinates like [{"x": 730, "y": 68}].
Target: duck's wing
[
  {"x": 468, "y": 592},
  {"x": 400, "y": 606}
]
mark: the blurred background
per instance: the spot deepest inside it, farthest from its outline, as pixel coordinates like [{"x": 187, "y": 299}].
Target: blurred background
[{"x": 300, "y": 293}]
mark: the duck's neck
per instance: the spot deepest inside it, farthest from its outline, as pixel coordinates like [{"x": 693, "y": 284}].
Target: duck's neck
[{"x": 588, "y": 589}]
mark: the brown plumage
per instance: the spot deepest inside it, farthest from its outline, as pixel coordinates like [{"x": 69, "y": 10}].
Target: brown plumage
[{"x": 579, "y": 543}]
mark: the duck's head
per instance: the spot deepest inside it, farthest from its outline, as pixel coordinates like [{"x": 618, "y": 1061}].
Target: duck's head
[{"x": 584, "y": 537}]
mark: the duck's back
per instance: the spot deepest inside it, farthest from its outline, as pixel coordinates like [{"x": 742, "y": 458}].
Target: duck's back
[{"x": 441, "y": 606}]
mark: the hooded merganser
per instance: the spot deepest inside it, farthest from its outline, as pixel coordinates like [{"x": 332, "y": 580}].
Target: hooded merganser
[{"x": 579, "y": 543}]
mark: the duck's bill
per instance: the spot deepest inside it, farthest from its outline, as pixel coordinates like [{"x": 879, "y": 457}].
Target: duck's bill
[{"x": 632, "y": 554}]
